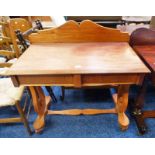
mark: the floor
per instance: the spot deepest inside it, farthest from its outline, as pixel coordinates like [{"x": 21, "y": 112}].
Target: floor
[{"x": 96, "y": 126}]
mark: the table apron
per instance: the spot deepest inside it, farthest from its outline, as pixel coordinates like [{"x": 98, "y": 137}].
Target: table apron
[{"x": 77, "y": 80}]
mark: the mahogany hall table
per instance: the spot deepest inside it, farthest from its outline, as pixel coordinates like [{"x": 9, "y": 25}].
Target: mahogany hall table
[
  {"x": 78, "y": 65},
  {"x": 143, "y": 42},
  {"x": 147, "y": 53}
]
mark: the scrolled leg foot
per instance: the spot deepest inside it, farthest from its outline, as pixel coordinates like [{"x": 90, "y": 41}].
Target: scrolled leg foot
[
  {"x": 123, "y": 121},
  {"x": 142, "y": 128},
  {"x": 121, "y": 105},
  {"x": 40, "y": 103},
  {"x": 39, "y": 124}
]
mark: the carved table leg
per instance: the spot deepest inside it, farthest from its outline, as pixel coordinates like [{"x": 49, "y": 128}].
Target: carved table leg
[
  {"x": 121, "y": 106},
  {"x": 40, "y": 103},
  {"x": 136, "y": 109}
]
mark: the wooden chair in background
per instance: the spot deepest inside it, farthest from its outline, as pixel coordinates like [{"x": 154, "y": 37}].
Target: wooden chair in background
[
  {"x": 14, "y": 24},
  {"x": 46, "y": 21},
  {"x": 10, "y": 95},
  {"x": 5, "y": 40},
  {"x": 7, "y": 58},
  {"x": 9, "y": 39}
]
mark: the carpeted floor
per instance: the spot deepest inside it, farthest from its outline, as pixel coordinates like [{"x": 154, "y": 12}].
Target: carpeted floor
[{"x": 96, "y": 126}]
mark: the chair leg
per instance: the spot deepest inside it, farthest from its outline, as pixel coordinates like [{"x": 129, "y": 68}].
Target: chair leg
[
  {"x": 62, "y": 93},
  {"x": 23, "y": 117},
  {"x": 50, "y": 91}
]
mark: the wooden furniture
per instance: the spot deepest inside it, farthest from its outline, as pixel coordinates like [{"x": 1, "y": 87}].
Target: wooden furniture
[
  {"x": 5, "y": 40},
  {"x": 10, "y": 95},
  {"x": 6, "y": 58},
  {"x": 143, "y": 42},
  {"x": 8, "y": 33},
  {"x": 32, "y": 19},
  {"x": 79, "y": 55},
  {"x": 5, "y": 43},
  {"x": 46, "y": 21},
  {"x": 14, "y": 24}
]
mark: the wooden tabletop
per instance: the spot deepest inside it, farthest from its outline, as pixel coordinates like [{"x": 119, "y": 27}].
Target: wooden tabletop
[
  {"x": 78, "y": 58},
  {"x": 147, "y": 53}
]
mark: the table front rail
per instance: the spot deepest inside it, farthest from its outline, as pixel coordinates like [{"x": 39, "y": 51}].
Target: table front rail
[{"x": 77, "y": 81}]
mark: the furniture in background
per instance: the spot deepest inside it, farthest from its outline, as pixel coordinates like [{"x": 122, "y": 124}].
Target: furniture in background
[
  {"x": 152, "y": 23},
  {"x": 131, "y": 23},
  {"x": 9, "y": 36},
  {"x": 41, "y": 18},
  {"x": 143, "y": 42},
  {"x": 5, "y": 40},
  {"x": 79, "y": 55},
  {"x": 108, "y": 21},
  {"x": 137, "y": 19},
  {"x": 6, "y": 57},
  {"x": 47, "y": 21},
  {"x": 10, "y": 95},
  {"x": 14, "y": 24}
]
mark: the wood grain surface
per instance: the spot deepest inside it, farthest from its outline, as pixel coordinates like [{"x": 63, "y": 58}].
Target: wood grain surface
[
  {"x": 78, "y": 58},
  {"x": 86, "y": 31}
]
